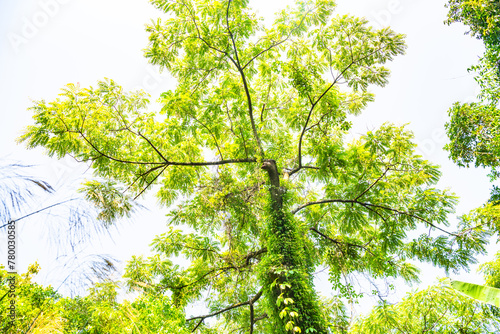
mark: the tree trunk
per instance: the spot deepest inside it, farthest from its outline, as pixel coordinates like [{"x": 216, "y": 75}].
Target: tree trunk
[{"x": 288, "y": 282}]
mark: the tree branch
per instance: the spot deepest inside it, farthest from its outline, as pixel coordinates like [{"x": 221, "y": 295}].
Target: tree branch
[
  {"x": 339, "y": 242},
  {"x": 253, "y": 255},
  {"x": 405, "y": 213},
  {"x": 212, "y": 163},
  {"x": 211, "y": 134},
  {"x": 313, "y": 105},
  {"x": 169, "y": 163},
  {"x": 322, "y": 202},
  {"x": 370, "y": 205},
  {"x": 280, "y": 42},
  {"x": 246, "y": 258},
  {"x": 373, "y": 184},
  {"x": 193, "y": 18},
  {"x": 304, "y": 128},
  {"x": 237, "y": 305},
  {"x": 245, "y": 84},
  {"x": 251, "y": 318},
  {"x": 150, "y": 183}
]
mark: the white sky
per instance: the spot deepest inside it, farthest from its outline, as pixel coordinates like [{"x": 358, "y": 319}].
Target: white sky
[{"x": 48, "y": 43}]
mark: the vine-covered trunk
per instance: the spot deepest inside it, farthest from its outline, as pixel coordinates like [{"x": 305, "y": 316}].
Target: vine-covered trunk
[{"x": 288, "y": 282}]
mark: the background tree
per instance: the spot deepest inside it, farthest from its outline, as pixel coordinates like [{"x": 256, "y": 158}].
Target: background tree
[
  {"x": 30, "y": 298},
  {"x": 100, "y": 312},
  {"x": 437, "y": 309},
  {"x": 42, "y": 310},
  {"x": 474, "y": 127},
  {"x": 474, "y": 139},
  {"x": 73, "y": 221},
  {"x": 250, "y": 147}
]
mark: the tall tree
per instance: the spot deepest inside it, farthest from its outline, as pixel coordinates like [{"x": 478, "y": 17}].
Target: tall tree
[
  {"x": 250, "y": 147},
  {"x": 474, "y": 128}
]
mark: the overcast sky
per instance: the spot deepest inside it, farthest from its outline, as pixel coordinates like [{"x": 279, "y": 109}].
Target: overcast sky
[{"x": 47, "y": 44}]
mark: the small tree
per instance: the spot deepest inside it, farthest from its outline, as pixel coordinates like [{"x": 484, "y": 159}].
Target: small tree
[
  {"x": 437, "y": 309},
  {"x": 250, "y": 148},
  {"x": 42, "y": 309}
]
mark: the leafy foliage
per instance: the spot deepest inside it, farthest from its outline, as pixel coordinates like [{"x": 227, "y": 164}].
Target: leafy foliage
[
  {"x": 30, "y": 298},
  {"x": 474, "y": 135},
  {"x": 111, "y": 203},
  {"x": 481, "y": 16},
  {"x": 42, "y": 310},
  {"x": 484, "y": 293},
  {"x": 491, "y": 271}
]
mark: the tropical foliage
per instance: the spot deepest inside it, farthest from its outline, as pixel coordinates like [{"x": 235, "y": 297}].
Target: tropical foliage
[
  {"x": 18, "y": 188},
  {"x": 484, "y": 293}
]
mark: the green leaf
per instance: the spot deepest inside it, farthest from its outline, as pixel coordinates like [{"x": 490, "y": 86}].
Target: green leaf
[{"x": 482, "y": 293}]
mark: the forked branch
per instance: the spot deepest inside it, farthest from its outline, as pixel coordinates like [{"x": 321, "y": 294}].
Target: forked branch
[
  {"x": 202, "y": 318},
  {"x": 369, "y": 206}
]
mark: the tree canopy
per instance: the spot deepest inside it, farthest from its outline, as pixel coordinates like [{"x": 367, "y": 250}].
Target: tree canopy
[{"x": 250, "y": 150}]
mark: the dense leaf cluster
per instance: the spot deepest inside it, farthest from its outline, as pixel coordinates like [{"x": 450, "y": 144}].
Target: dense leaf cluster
[{"x": 41, "y": 309}]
